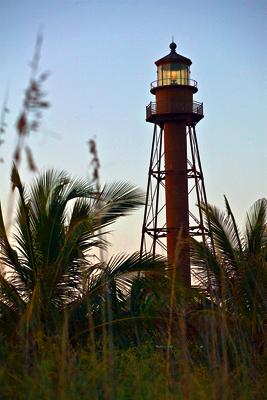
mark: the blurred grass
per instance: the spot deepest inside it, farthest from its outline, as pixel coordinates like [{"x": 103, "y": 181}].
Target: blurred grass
[{"x": 139, "y": 375}]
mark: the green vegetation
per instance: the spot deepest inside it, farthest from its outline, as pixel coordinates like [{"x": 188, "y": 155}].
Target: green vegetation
[{"x": 76, "y": 327}]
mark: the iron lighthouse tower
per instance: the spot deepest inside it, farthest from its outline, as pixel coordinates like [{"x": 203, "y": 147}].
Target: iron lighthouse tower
[{"x": 175, "y": 188}]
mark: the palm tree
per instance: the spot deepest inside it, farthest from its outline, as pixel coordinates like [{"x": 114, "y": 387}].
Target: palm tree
[
  {"x": 234, "y": 277},
  {"x": 106, "y": 297},
  {"x": 48, "y": 267}
]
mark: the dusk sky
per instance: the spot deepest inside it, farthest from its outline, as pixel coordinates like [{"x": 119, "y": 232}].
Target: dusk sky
[{"x": 101, "y": 56}]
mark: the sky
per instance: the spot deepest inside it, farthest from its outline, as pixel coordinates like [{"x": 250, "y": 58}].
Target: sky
[{"x": 101, "y": 57}]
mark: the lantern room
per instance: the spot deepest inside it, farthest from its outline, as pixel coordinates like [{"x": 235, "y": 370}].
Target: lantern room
[
  {"x": 173, "y": 74},
  {"x": 174, "y": 90},
  {"x": 173, "y": 70}
]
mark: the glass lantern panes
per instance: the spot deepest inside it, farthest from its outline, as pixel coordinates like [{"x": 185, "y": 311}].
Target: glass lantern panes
[{"x": 173, "y": 74}]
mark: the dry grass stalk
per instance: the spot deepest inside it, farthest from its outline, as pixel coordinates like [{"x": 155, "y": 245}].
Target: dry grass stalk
[
  {"x": 3, "y": 124},
  {"x": 107, "y": 331},
  {"x": 95, "y": 163},
  {"x": 34, "y": 102},
  {"x": 183, "y": 342},
  {"x": 29, "y": 118}
]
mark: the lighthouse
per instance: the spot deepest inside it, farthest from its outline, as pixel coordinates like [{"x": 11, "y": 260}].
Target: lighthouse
[{"x": 175, "y": 190}]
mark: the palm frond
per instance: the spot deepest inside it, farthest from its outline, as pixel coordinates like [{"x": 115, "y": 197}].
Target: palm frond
[
  {"x": 256, "y": 235},
  {"x": 224, "y": 236},
  {"x": 206, "y": 269},
  {"x": 9, "y": 295},
  {"x": 121, "y": 269},
  {"x": 123, "y": 264},
  {"x": 116, "y": 200},
  {"x": 237, "y": 236},
  {"x": 9, "y": 257}
]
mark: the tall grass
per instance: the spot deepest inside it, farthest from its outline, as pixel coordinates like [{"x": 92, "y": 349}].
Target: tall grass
[{"x": 61, "y": 372}]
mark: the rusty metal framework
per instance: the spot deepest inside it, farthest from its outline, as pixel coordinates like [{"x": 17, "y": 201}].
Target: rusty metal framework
[{"x": 154, "y": 230}]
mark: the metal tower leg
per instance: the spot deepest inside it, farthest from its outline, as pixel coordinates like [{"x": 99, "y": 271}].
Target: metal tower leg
[
  {"x": 154, "y": 230},
  {"x": 200, "y": 192}
]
